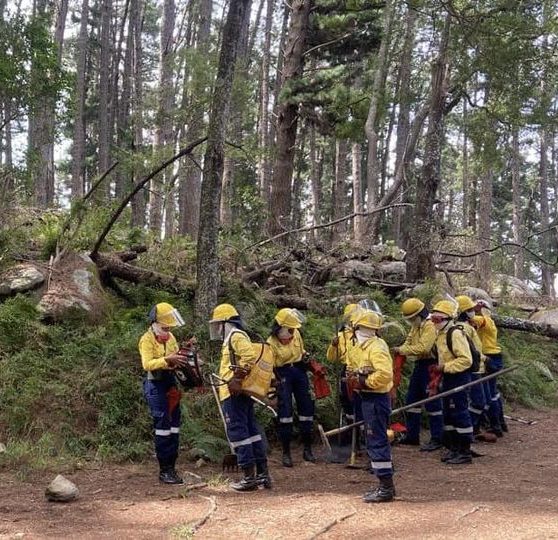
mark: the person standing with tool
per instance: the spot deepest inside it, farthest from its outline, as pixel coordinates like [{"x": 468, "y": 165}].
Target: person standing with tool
[
  {"x": 488, "y": 333},
  {"x": 373, "y": 378},
  {"x": 338, "y": 351},
  {"x": 478, "y": 403},
  {"x": 291, "y": 371},
  {"x": 418, "y": 348},
  {"x": 243, "y": 432},
  {"x": 159, "y": 357},
  {"x": 454, "y": 363}
]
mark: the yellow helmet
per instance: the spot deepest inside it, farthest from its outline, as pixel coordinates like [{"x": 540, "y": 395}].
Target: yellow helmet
[
  {"x": 465, "y": 303},
  {"x": 368, "y": 319},
  {"x": 348, "y": 309},
  {"x": 163, "y": 313},
  {"x": 289, "y": 318},
  {"x": 447, "y": 307},
  {"x": 223, "y": 312},
  {"x": 411, "y": 307}
]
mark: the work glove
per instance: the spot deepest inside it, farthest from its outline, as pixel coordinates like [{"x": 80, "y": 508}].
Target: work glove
[
  {"x": 235, "y": 386},
  {"x": 335, "y": 341},
  {"x": 176, "y": 360}
]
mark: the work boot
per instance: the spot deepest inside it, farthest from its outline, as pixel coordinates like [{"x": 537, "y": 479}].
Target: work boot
[
  {"x": 462, "y": 455},
  {"x": 385, "y": 492},
  {"x": 307, "y": 454},
  {"x": 249, "y": 482},
  {"x": 496, "y": 430},
  {"x": 168, "y": 475},
  {"x": 408, "y": 441},
  {"x": 262, "y": 475},
  {"x": 503, "y": 424},
  {"x": 450, "y": 442},
  {"x": 287, "y": 460},
  {"x": 486, "y": 436},
  {"x": 433, "y": 444}
]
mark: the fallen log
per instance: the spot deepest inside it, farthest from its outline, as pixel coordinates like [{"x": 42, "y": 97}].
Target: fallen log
[
  {"x": 523, "y": 325},
  {"x": 110, "y": 265}
]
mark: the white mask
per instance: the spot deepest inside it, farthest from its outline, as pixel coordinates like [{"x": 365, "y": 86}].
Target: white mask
[
  {"x": 284, "y": 333},
  {"x": 441, "y": 325},
  {"x": 470, "y": 313},
  {"x": 158, "y": 331},
  {"x": 364, "y": 334}
]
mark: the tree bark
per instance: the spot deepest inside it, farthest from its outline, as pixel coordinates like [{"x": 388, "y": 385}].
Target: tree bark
[
  {"x": 517, "y": 214},
  {"x": 374, "y": 114},
  {"x": 287, "y": 118},
  {"x": 78, "y": 150},
  {"x": 358, "y": 198},
  {"x": 522, "y": 325},
  {"x": 465, "y": 182},
  {"x": 420, "y": 255},
  {"x": 315, "y": 180},
  {"x": 163, "y": 129},
  {"x": 189, "y": 173},
  {"x": 546, "y": 270},
  {"x": 339, "y": 189},
  {"x": 207, "y": 265}
]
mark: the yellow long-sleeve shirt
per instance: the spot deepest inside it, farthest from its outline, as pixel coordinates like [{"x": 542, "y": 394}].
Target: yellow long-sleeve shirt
[
  {"x": 473, "y": 335},
  {"x": 488, "y": 333},
  {"x": 461, "y": 359},
  {"x": 340, "y": 352},
  {"x": 373, "y": 355},
  {"x": 153, "y": 353},
  {"x": 420, "y": 341},
  {"x": 244, "y": 355},
  {"x": 287, "y": 354}
]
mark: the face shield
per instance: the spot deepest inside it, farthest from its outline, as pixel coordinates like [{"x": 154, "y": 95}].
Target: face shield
[
  {"x": 172, "y": 318},
  {"x": 216, "y": 330}
]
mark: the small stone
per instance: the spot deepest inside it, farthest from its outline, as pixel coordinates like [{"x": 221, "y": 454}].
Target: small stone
[
  {"x": 2, "y": 448},
  {"x": 196, "y": 453},
  {"x": 61, "y": 490},
  {"x": 200, "y": 463}
]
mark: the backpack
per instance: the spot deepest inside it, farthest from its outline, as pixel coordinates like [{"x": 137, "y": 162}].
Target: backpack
[
  {"x": 475, "y": 354},
  {"x": 258, "y": 380}
]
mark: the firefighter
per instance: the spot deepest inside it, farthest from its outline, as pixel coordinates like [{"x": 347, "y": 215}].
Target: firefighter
[
  {"x": 488, "y": 333},
  {"x": 291, "y": 373},
  {"x": 418, "y": 347},
  {"x": 454, "y": 363},
  {"x": 373, "y": 378},
  {"x": 159, "y": 357},
  {"x": 478, "y": 404},
  {"x": 243, "y": 432},
  {"x": 338, "y": 351}
]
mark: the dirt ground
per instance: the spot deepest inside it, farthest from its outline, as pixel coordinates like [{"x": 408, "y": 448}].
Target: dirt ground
[{"x": 510, "y": 492}]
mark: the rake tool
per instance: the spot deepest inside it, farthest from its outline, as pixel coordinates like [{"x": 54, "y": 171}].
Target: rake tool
[{"x": 230, "y": 461}]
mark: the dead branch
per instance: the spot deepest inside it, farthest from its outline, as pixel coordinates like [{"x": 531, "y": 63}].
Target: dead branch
[
  {"x": 286, "y": 300},
  {"x": 116, "y": 268},
  {"x": 332, "y": 524},
  {"x": 523, "y": 325},
  {"x": 184, "y": 152},
  {"x": 212, "y": 508},
  {"x": 328, "y": 224}
]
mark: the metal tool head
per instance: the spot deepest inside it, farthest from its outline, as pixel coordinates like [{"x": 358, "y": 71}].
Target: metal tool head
[{"x": 230, "y": 463}]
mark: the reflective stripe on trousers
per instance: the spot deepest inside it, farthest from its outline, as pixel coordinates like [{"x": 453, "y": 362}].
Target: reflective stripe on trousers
[
  {"x": 456, "y": 406},
  {"x": 376, "y": 409}
]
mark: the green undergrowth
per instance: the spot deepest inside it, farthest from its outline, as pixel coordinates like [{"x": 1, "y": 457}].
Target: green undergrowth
[{"x": 72, "y": 392}]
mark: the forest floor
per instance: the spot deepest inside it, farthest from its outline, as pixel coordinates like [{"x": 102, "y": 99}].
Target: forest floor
[{"x": 510, "y": 492}]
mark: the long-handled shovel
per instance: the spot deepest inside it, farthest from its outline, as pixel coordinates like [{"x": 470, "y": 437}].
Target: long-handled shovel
[
  {"x": 325, "y": 434},
  {"x": 230, "y": 461}
]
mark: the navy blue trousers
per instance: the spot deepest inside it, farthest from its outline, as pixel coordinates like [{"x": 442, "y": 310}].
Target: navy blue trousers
[
  {"x": 477, "y": 401},
  {"x": 457, "y": 419},
  {"x": 243, "y": 431},
  {"x": 166, "y": 425},
  {"x": 418, "y": 389},
  {"x": 376, "y": 410},
  {"x": 493, "y": 398},
  {"x": 293, "y": 382}
]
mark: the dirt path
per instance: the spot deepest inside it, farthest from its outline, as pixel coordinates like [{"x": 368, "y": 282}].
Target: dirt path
[{"x": 511, "y": 492}]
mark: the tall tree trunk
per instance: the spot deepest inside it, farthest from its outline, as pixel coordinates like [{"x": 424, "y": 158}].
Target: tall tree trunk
[
  {"x": 163, "y": 127},
  {"x": 358, "y": 198},
  {"x": 207, "y": 266},
  {"x": 78, "y": 149},
  {"x": 484, "y": 223},
  {"x": 403, "y": 119},
  {"x": 546, "y": 270},
  {"x": 264, "y": 165},
  {"x": 104, "y": 91},
  {"x": 315, "y": 181},
  {"x": 517, "y": 218},
  {"x": 374, "y": 114},
  {"x": 340, "y": 188},
  {"x": 189, "y": 173},
  {"x": 287, "y": 119},
  {"x": 298, "y": 183},
  {"x": 42, "y": 119},
  {"x": 139, "y": 201},
  {"x": 465, "y": 218},
  {"x": 420, "y": 255}
]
